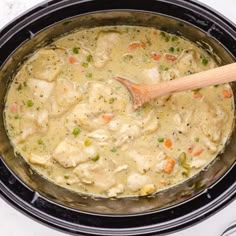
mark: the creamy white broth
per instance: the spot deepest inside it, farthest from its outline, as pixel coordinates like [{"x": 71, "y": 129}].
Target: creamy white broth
[{"x": 74, "y": 124}]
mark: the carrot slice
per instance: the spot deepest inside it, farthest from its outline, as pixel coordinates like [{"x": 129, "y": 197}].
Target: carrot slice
[
  {"x": 14, "y": 108},
  {"x": 170, "y": 163},
  {"x": 198, "y": 152},
  {"x": 72, "y": 60},
  {"x": 170, "y": 57},
  {"x": 197, "y": 95},
  {"x": 155, "y": 56},
  {"x": 135, "y": 45},
  {"x": 107, "y": 117},
  {"x": 227, "y": 93},
  {"x": 168, "y": 143}
]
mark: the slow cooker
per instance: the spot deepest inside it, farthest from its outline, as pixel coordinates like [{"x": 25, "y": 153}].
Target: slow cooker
[{"x": 167, "y": 211}]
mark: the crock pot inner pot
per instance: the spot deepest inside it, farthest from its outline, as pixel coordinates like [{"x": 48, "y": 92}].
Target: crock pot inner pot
[{"x": 38, "y": 186}]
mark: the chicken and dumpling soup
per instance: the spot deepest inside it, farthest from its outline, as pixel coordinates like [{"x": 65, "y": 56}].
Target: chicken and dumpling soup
[{"x": 75, "y": 125}]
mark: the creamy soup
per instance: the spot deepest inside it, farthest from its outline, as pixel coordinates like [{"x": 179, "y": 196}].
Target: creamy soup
[{"x": 75, "y": 125}]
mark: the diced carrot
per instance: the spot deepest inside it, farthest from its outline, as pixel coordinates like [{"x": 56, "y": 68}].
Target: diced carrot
[
  {"x": 168, "y": 143},
  {"x": 142, "y": 44},
  {"x": 170, "y": 163},
  {"x": 190, "y": 149},
  {"x": 227, "y": 93},
  {"x": 107, "y": 117},
  {"x": 135, "y": 45},
  {"x": 155, "y": 56},
  {"x": 198, "y": 152},
  {"x": 170, "y": 57},
  {"x": 197, "y": 95},
  {"x": 72, "y": 60},
  {"x": 14, "y": 107}
]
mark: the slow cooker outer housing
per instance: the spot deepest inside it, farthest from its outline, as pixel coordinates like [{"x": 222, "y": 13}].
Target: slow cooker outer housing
[{"x": 167, "y": 211}]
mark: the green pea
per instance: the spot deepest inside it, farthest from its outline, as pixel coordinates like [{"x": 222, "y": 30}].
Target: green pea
[
  {"x": 30, "y": 103},
  {"x": 76, "y": 131},
  {"x": 76, "y": 50},
  {"x": 95, "y": 158}
]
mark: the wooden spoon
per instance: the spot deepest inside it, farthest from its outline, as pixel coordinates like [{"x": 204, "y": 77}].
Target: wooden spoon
[{"x": 142, "y": 93}]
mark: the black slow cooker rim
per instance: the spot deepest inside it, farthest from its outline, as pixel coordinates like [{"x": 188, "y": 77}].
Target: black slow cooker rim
[{"x": 213, "y": 200}]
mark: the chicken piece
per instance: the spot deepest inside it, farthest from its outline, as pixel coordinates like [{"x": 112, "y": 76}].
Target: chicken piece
[
  {"x": 182, "y": 120},
  {"x": 149, "y": 123},
  {"x": 213, "y": 133},
  {"x": 104, "y": 99},
  {"x": 69, "y": 153},
  {"x": 42, "y": 160},
  {"x": 67, "y": 93},
  {"x": 197, "y": 163},
  {"x": 160, "y": 162},
  {"x": 147, "y": 189},
  {"x": 106, "y": 41},
  {"x": 82, "y": 116},
  {"x": 152, "y": 75},
  {"x": 120, "y": 168},
  {"x": 113, "y": 192},
  {"x": 170, "y": 74},
  {"x": 127, "y": 132},
  {"x": 97, "y": 173},
  {"x": 210, "y": 122},
  {"x": 41, "y": 89},
  {"x": 55, "y": 109},
  {"x": 61, "y": 180},
  {"x": 161, "y": 101},
  {"x": 101, "y": 136},
  {"x": 137, "y": 181},
  {"x": 211, "y": 146},
  {"x": 124, "y": 129},
  {"x": 188, "y": 61},
  {"x": 143, "y": 163},
  {"x": 115, "y": 124},
  {"x": 32, "y": 122},
  {"x": 45, "y": 65}
]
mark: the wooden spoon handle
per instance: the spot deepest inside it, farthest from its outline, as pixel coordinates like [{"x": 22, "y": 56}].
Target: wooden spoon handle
[{"x": 219, "y": 75}]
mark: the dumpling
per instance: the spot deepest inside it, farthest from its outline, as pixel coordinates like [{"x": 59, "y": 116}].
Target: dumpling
[
  {"x": 104, "y": 99},
  {"x": 70, "y": 153},
  {"x": 67, "y": 92},
  {"x": 106, "y": 41},
  {"x": 32, "y": 122},
  {"x": 45, "y": 65}
]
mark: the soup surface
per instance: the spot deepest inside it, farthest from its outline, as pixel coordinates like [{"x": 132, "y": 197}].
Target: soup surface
[{"x": 74, "y": 124}]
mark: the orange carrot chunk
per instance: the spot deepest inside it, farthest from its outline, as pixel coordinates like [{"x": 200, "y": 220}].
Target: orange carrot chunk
[
  {"x": 14, "y": 108},
  {"x": 72, "y": 60},
  {"x": 198, "y": 152},
  {"x": 197, "y": 95},
  {"x": 168, "y": 143},
  {"x": 227, "y": 93},
  {"x": 169, "y": 166},
  {"x": 155, "y": 56},
  {"x": 170, "y": 57},
  {"x": 107, "y": 117},
  {"x": 135, "y": 45}
]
